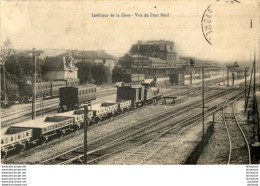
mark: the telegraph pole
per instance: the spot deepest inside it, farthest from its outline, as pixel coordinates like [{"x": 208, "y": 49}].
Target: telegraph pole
[
  {"x": 85, "y": 133},
  {"x": 227, "y": 76},
  {"x": 4, "y": 78},
  {"x": 190, "y": 76},
  {"x": 138, "y": 61},
  {"x": 202, "y": 89},
  {"x": 34, "y": 87},
  {"x": 245, "y": 87}
]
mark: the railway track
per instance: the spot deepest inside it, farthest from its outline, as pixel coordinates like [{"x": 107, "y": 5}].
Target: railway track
[
  {"x": 54, "y": 102},
  {"x": 136, "y": 134},
  {"x": 192, "y": 91},
  {"x": 11, "y": 116},
  {"x": 239, "y": 149},
  {"x": 235, "y": 148}
]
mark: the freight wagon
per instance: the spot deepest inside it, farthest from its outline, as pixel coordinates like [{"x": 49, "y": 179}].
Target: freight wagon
[
  {"x": 78, "y": 116},
  {"x": 177, "y": 79},
  {"x": 13, "y": 139},
  {"x": 38, "y": 131},
  {"x": 134, "y": 78}
]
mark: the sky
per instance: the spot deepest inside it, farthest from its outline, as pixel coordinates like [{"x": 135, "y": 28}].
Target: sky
[{"x": 70, "y": 25}]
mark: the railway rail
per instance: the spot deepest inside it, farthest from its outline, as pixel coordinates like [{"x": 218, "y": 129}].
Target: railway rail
[
  {"x": 10, "y": 117},
  {"x": 135, "y": 134},
  {"x": 239, "y": 149},
  {"x": 232, "y": 146},
  {"x": 53, "y": 103}
]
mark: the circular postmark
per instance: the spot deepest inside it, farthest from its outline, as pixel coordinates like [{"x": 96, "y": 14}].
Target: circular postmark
[
  {"x": 211, "y": 25},
  {"x": 206, "y": 25}
]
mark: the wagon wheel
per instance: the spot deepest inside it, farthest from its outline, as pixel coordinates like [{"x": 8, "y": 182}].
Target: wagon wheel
[
  {"x": 4, "y": 154},
  {"x": 60, "y": 133},
  {"x": 76, "y": 127},
  {"x": 23, "y": 147},
  {"x": 42, "y": 140},
  {"x": 98, "y": 120},
  {"x": 111, "y": 116}
]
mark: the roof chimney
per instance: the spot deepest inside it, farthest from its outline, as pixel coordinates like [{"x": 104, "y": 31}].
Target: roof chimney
[{"x": 64, "y": 62}]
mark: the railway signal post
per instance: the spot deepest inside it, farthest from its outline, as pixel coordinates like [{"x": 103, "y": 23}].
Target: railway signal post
[{"x": 34, "y": 87}]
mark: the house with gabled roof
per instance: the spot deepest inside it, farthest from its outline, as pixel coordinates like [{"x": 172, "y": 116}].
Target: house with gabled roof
[{"x": 60, "y": 67}]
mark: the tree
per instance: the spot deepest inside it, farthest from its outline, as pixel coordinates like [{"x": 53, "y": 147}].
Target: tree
[
  {"x": 118, "y": 74},
  {"x": 100, "y": 73},
  {"x": 92, "y": 73}
]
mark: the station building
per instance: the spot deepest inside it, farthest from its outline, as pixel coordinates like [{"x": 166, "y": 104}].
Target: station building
[{"x": 161, "y": 49}]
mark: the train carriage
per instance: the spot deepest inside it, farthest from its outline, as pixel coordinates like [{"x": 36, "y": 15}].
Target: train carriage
[
  {"x": 70, "y": 82},
  {"x": 43, "y": 88},
  {"x": 72, "y": 97},
  {"x": 56, "y": 85}
]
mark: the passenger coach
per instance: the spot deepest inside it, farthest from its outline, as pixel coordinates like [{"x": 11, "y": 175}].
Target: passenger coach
[{"x": 72, "y": 97}]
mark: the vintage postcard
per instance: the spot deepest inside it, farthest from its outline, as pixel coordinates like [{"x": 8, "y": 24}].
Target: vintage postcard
[{"x": 171, "y": 82}]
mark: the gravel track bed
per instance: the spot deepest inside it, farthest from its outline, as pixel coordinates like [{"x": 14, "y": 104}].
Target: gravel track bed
[
  {"x": 73, "y": 140},
  {"x": 216, "y": 152},
  {"x": 60, "y": 145},
  {"x": 177, "y": 146}
]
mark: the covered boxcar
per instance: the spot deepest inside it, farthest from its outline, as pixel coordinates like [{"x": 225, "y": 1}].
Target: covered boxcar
[
  {"x": 134, "y": 78},
  {"x": 135, "y": 93},
  {"x": 177, "y": 79},
  {"x": 72, "y": 97}
]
